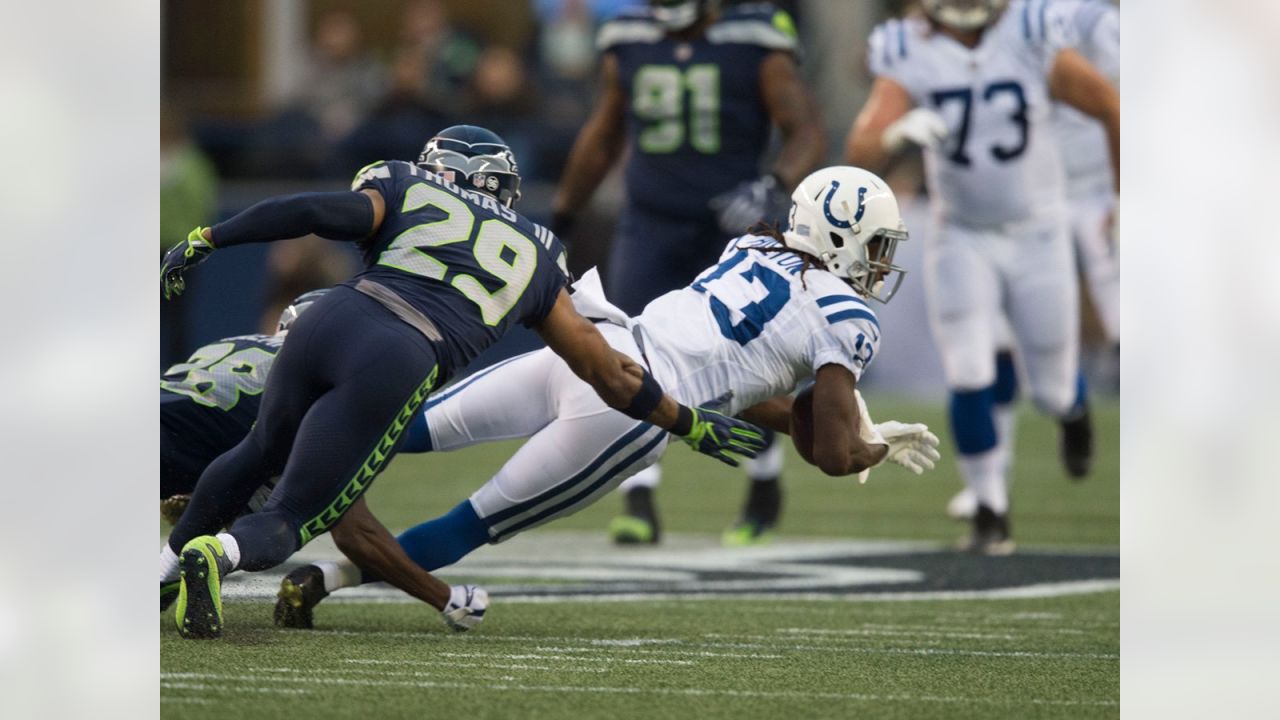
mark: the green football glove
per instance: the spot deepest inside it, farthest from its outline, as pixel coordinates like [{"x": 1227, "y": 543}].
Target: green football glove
[
  {"x": 186, "y": 254},
  {"x": 718, "y": 435}
]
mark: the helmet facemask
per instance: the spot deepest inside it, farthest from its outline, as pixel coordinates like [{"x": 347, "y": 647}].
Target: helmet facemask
[{"x": 871, "y": 277}]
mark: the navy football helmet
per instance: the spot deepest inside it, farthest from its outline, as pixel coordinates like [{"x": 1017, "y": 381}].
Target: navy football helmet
[
  {"x": 476, "y": 158},
  {"x": 677, "y": 15},
  {"x": 299, "y": 304}
]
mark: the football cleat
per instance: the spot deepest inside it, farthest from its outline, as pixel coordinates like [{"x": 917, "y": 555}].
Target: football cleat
[
  {"x": 168, "y": 593},
  {"x": 300, "y": 592},
  {"x": 201, "y": 565},
  {"x": 747, "y": 532},
  {"x": 1077, "y": 446},
  {"x": 466, "y": 607},
  {"x": 990, "y": 535},
  {"x": 639, "y": 526}
]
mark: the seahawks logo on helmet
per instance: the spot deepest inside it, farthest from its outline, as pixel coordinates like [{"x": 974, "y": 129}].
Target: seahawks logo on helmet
[{"x": 477, "y": 157}]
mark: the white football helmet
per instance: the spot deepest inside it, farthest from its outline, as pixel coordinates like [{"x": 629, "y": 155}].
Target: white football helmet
[
  {"x": 848, "y": 219},
  {"x": 964, "y": 14}
]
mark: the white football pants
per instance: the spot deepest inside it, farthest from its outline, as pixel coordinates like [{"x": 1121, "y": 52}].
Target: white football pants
[{"x": 1098, "y": 256}]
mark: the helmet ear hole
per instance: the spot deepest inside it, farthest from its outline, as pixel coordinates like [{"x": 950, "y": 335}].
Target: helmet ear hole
[{"x": 837, "y": 241}]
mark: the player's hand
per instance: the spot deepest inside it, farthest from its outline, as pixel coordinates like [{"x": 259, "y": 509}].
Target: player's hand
[
  {"x": 466, "y": 607},
  {"x": 749, "y": 203},
  {"x": 718, "y": 435},
  {"x": 186, "y": 254},
  {"x": 910, "y": 445},
  {"x": 922, "y": 127}
]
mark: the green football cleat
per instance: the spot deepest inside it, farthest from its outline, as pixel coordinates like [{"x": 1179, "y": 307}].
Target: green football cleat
[
  {"x": 168, "y": 593},
  {"x": 632, "y": 530},
  {"x": 747, "y": 533},
  {"x": 199, "y": 608},
  {"x": 300, "y": 592}
]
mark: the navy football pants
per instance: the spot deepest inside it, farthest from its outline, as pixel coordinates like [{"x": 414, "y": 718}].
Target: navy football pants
[{"x": 344, "y": 387}]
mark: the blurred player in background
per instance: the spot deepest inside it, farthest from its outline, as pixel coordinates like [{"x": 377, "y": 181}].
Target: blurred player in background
[
  {"x": 450, "y": 267},
  {"x": 692, "y": 93},
  {"x": 209, "y": 403},
  {"x": 973, "y": 82},
  {"x": 1092, "y": 201},
  {"x": 716, "y": 339}
]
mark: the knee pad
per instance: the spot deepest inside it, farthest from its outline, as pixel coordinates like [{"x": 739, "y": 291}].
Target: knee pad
[{"x": 972, "y": 420}]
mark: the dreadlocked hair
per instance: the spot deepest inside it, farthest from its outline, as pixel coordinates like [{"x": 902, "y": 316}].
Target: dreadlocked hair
[{"x": 770, "y": 230}]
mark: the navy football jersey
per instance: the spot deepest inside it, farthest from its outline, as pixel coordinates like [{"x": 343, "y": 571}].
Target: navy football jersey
[
  {"x": 696, "y": 121},
  {"x": 473, "y": 267},
  {"x": 209, "y": 402}
]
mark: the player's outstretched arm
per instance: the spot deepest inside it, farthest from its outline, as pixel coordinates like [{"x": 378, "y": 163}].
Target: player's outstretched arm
[
  {"x": 367, "y": 543},
  {"x": 838, "y": 445},
  {"x": 346, "y": 216},
  {"x": 597, "y": 147},
  {"x": 882, "y": 127},
  {"x": 628, "y": 387},
  {"x": 1076, "y": 82}
]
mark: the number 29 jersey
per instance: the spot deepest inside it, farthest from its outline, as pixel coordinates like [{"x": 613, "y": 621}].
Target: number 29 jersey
[
  {"x": 695, "y": 119},
  {"x": 1000, "y": 162},
  {"x": 470, "y": 266},
  {"x": 755, "y": 326}
]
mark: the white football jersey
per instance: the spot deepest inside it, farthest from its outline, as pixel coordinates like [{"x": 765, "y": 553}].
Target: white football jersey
[
  {"x": 1083, "y": 140},
  {"x": 999, "y": 163},
  {"x": 753, "y": 327}
]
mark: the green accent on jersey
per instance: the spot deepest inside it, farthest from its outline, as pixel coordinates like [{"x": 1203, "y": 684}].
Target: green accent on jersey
[
  {"x": 372, "y": 465},
  {"x": 355, "y": 181},
  {"x": 785, "y": 25}
]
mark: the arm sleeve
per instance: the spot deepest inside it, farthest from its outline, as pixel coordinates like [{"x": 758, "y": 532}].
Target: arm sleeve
[
  {"x": 336, "y": 216},
  {"x": 850, "y": 343}
]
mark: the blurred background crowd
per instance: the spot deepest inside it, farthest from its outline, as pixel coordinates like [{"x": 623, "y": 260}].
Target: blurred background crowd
[{"x": 263, "y": 97}]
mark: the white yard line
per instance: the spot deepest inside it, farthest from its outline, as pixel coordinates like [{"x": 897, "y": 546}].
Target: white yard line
[
  {"x": 867, "y": 631},
  {"x": 329, "y": 679}
]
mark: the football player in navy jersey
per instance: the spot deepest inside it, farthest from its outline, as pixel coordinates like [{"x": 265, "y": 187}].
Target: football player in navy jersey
[
  {"x": 693, "y": 93},
  {"x": 449, "y": 268},
  {"x": 209, "y": 403}
]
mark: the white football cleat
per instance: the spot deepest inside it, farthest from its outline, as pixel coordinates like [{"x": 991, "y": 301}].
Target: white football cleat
[
  {"x": 467, "y": 604},
  {"x": 963, "y": 506}
]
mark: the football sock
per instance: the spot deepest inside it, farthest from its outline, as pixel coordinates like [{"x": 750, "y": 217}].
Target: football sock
[
  {"x": 232, "y": 549},
  {"x": 639, "y": 502},
  {"x": 764, "y": 501},
  {"x": 168, "y": 564},
  {"x": 984, "y": 474},
  {"x": 767, "y": 465},
  {"x": 446, "y": 539},
  {"x": 1004, "y": 394},
  {"x": 340, "y": 574},
  {"x": 1006, "y": 434}
]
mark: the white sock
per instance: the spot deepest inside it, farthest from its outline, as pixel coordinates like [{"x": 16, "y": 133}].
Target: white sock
[
  {"x": 985, "y": 476},
  {"x": 340, "y": 574},
  {"x": 168, "y": 564},
  {"x": 231, "y": 548},
  {"x": 1006, "y": 418},
  {"x": 648, "y": 477},
  {"x": 767, "y": 465}
]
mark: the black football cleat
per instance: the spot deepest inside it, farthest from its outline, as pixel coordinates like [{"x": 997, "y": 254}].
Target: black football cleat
[
  {"x": 639, "y": 524},
  {"x": 990, "y": 535},
  {"x": 1077, "y": 446},
  {"x": 300, "y": 592}
]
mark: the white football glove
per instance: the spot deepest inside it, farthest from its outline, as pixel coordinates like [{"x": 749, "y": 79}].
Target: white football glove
[
  {"x": 921, "y": 126},
  {"x": 910, "y": 445},
  {"x": 466, "y": 607}
]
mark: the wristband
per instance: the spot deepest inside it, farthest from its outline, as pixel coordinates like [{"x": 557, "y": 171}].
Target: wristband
[
  {"x": 646, "y": 400},
  {"x": 684, "y": 422}
]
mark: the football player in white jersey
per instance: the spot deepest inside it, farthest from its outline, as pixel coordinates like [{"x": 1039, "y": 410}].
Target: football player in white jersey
[
  {"x": 973, "y": 82},
  {"x": 779, "y": 310}
]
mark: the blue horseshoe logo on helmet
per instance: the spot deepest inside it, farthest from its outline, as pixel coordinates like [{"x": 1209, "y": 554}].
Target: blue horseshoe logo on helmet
[{"x": 857, "y": 217}]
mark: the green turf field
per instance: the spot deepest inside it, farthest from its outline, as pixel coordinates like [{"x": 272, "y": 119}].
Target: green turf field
[{"x": 1041, "y": 656}]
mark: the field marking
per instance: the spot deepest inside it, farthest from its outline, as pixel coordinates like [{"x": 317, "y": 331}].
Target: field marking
[
  {"x": 892, "y": 632},
  {"x": 166, "y": 685},
  {"x": 665, "y": 651},
  {"x": 600, "y": 689},
  {"x": 185, "y": 700}
]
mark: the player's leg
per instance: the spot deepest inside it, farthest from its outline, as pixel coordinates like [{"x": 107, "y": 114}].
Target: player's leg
[
  {"x": 962, "y": 295},
  {"x": 1098, "y": 258},
  {"x": 964, "y": 504},
  {"x": 1044, "y": 314},
  {"x": 763, "y": 505}
]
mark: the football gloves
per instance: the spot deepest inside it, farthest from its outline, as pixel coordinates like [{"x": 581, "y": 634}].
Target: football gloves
[
  {"x": 718, "y": 435},
  {"x": 466, "y": 608},
  {"x": 749, "y": 203},
  {"x": 910, "y": 445},
  {"x": 922, "y": 127},
  {"x": 186, "y": 254}
]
